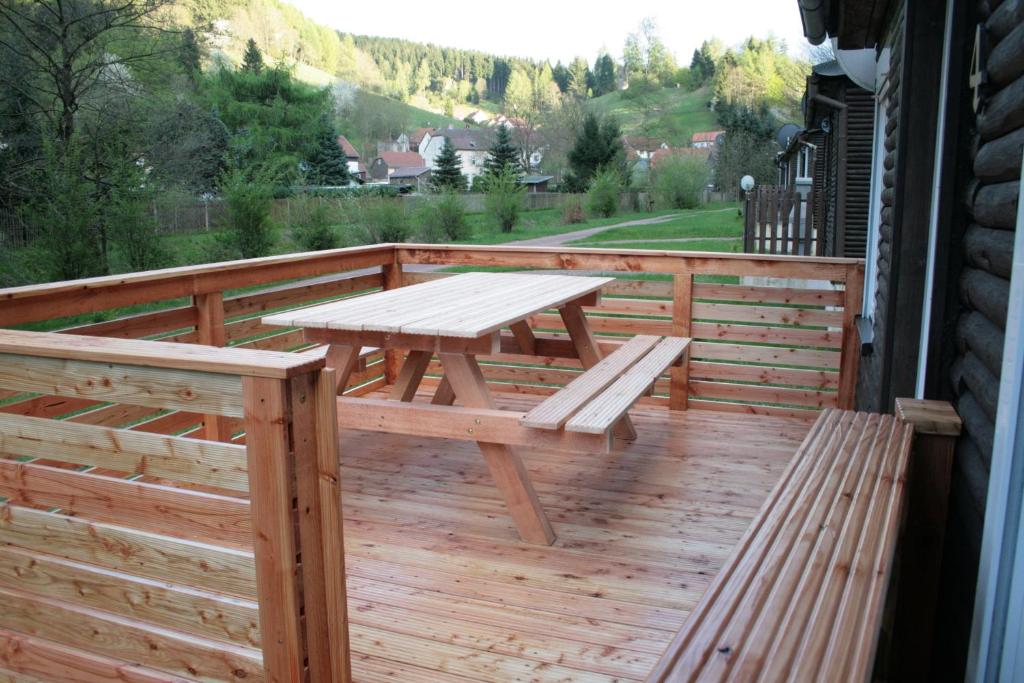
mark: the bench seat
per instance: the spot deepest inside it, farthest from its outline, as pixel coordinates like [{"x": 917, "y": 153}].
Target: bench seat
[
  {"x": 801, "y": 597},
  {"x": 594, "y": 401}
]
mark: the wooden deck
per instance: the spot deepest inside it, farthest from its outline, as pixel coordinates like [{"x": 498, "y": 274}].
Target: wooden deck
[{"x": 440, "y": 587}]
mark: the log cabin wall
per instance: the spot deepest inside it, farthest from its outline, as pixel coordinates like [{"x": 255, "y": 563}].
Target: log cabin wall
[
  {"x": 871, "y": 379},
  {"x": 979, "y": 275},
  {"x": 860, "y": 124}
]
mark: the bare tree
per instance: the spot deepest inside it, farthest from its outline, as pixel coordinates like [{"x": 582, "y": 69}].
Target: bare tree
[{"x": 71, "y": 47}]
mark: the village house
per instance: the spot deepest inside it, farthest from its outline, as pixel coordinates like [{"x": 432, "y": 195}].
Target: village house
[
  {"x": 707, "y": 139},
  {"x": 416, "y": 177},
  {"x": 416, "y": 137},
  {"x": 355, "y": 168},
  {"x": 641, "y": 147},
  {"x": 387, "y": 163},
  {"x": 471, "y": 146}
]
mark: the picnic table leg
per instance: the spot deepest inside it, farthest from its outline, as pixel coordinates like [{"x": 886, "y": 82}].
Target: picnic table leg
[
  {"x": 343, "y": 358},
  {"x": 443, "y": 395},
  {"x": 410, "y": 375},
  {"x": 506, "y": 467},
  {"x": 589, "y": 353}
]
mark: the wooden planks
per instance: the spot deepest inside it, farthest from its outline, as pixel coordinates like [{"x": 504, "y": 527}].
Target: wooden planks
[
  {"x": 191, "y": 460},
  {"x": 801, "y": 596},
  {"x": 556, "y": 410},
  {"x": 464, "y": 306},
  {"x": 608, "y": 407}
]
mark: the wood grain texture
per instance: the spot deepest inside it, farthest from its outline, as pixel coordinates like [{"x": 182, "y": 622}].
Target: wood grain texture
[{"x": 270, "y": 485}]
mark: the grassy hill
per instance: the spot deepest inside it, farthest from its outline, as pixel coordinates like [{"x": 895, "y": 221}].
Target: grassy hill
[
  {"x": 364, "y": 132},
  {"x": 673, "y": 114}
]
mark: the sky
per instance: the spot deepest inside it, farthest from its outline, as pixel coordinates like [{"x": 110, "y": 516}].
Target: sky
[{"x": 559, "y": 30}]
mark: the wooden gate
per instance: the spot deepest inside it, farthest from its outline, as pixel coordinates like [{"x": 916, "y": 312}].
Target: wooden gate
[{"x": 780, "y": 220}]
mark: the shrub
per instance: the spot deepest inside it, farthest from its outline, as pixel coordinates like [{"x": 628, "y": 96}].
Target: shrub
[
  {"x": 312, "y": 220},
  {"x": 603, "y": 194},
  {"x": 378, "y": 220},
  {"x": 572, "y": 210},
  {"x": 249, "y": 226},
  {"x": 442, "y": 218},
  {"x": 678, "y": 182},
  {"x": 136, "y": 237},
  {"x": 503, "y": 198}
]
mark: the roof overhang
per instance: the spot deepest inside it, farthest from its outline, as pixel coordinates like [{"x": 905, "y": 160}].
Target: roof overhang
[{"x": 855, "y": 24}]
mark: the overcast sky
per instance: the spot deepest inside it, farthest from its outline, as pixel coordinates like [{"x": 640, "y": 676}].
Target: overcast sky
[{"x": 560, "y": 30}]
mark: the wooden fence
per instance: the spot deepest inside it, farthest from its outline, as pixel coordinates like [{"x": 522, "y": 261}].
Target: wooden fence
[
  {"x": 780, "y": 220},
  {"x": 176, "y": 550}
]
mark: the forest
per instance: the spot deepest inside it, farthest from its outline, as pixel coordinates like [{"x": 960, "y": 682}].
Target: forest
[{"x": 109, "y": 108}]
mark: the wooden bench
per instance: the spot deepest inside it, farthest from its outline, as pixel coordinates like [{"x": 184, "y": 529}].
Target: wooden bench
[
  {"x": 802, "y": 596},
  {"x": 600, "y": 397}
]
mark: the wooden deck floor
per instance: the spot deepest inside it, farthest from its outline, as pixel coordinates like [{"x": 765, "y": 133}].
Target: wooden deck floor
[{"x": 441, "y": 589}]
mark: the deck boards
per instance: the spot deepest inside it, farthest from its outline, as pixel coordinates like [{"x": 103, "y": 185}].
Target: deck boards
[{"x": 442, "y": 589}]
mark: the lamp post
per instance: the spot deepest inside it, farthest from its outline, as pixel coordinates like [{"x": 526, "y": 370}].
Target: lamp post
[{"x": 747, "y": 184}]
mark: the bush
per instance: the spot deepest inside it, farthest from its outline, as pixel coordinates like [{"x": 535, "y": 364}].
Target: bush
[
  {"x": 312, "y": 220},
  {"x": 603, "y": 195},
  {"x": 136, "y": 237},
  {"x": 250, "y": 230},
  {"x": 504, "y": 198},
  {"x": 378, "y": 220},
  {"x": 442, "y": 218},
  {"x": 678, "y": 182},
  {"x": 572, "y": 210}
]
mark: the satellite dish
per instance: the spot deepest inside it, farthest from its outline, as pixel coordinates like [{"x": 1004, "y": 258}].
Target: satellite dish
[
  {"x": 747, "y": 183},
  {"x": 859, "y": 65}
]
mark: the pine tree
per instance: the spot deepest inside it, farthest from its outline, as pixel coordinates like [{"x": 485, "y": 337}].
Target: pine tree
[
  {"x": 327, "y": 164},
  {"x": 447, "y": 173},
  {"x": 598, "y": 146},
  {"x": 253, "y": 59},
  {"x": 502, "y": 155}
]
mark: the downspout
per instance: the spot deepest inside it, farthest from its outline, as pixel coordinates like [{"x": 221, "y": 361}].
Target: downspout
[{"x": 813, "y": 15}]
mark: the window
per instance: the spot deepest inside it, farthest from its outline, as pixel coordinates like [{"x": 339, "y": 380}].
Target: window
[{"x": 877, "y": 173}]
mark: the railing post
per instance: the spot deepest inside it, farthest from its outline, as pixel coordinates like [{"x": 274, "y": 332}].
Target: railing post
[
  {"x": 392, "y": 276},
  {"x": 682, "y": 315},
  {"x": 291, "y": 445},
  {"x": 270, "y": 495},
  {"x": 850, "y": 352},
  {"x": 210, "y": 331},
  {"x": 936, "y": 428}
]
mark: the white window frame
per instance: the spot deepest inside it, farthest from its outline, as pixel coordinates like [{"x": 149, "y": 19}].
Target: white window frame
[{"x": 877, "y": 175}]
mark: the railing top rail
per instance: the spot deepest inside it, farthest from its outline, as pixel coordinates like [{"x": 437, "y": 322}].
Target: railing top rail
[
  {"x": 154, "y": 354},
  {"x": 70, "y": 297},
  {"x": 677, "y": 254}
]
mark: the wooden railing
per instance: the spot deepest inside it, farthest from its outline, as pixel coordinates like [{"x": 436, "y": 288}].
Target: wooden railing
[
  {"x": 780, "y": 220},
  {"x": 181, "y": 530}
]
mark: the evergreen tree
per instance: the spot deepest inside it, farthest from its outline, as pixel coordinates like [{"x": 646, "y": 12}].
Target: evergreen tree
[
  {"x": 447, "y": 173},
  {"x": 252, "y": 61},
  {"x": 503, "y": 154},
  {"x": 598, "y": 146},
  {"x": 327, "y": 164},
  {"x": 604, "y": 75},
  {"x": 561, "y": 75}
]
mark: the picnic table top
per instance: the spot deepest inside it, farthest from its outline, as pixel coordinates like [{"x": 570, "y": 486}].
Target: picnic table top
[{"x": 468, "y": 305}]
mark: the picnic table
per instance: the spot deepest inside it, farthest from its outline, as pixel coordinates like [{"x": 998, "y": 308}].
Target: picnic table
[{"x": 460, "y": 317}]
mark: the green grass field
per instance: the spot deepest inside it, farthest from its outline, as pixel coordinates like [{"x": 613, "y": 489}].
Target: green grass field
[
  {"x": 673, "y": 114},
  {"x": 724, "y": 221}
]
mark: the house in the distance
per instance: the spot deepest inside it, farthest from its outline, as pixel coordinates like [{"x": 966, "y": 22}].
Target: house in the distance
[
  {"x": 641, "y": 147},
  {"x": 659, "y": 155},
  {"x": 536, "y": 183},
  {"x": 400, "y": 144},
  {"x": 708, "y": 139},
  {"x": 387, "y": 163},
  {"x": 416, "y": 137},
  {"x": 471, "y": 145},
  {"x": 417, "y": 177},
  {"x": 355, "y": 168}
]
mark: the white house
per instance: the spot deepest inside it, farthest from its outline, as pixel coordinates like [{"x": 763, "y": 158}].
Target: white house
[{"x": 471, "y": 145}]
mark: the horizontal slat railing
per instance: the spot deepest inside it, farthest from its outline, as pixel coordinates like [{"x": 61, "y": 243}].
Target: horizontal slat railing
[
  {"x": 172, "y": 555},
  {"x": 772, "y": 334}
]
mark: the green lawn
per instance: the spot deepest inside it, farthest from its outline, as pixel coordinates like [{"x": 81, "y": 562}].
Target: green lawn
[
  {"x": 541, "y": 223},
  {"x": 703, "y": 222},
  {"x": 673, "y": 114}
]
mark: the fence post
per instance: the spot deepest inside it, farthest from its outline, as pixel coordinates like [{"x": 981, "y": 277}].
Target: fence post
[
  {"x": 936, "y": 428},
  {"x": 392, "y": 273},
  {"x": 682, "y": 315},
  {"x": 210, "y": 331},
  {"x": 270, "y": 496},
  {"x": 849, "y": 356}
]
